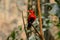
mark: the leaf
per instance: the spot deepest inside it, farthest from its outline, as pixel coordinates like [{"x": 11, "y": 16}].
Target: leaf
[
  {"x": 20, "y": 27},
  {"x": 13, "y": 35}
]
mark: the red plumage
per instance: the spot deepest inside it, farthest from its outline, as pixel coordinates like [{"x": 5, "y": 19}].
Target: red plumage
[
  {"x": 31, "y": 18},
  {"x": 31, "y": 15}
]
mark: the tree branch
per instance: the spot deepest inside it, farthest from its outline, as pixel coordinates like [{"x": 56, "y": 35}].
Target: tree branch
[{"x": 40, "y": 20}]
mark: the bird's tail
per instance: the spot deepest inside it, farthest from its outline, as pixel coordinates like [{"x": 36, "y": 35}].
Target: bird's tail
[{"x": 29, "y": 25}]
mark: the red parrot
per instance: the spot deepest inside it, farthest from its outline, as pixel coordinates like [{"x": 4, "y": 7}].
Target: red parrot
[{"x": 31, "y": 18}]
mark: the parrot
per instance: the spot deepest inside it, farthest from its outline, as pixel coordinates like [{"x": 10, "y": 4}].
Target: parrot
[{"x": 31, "y": 18}]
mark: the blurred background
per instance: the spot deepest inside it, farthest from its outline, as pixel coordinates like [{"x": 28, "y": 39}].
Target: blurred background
[{"x": 13, "y": 16}]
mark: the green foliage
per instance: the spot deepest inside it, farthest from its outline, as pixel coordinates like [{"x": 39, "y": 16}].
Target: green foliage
[
  {"x": 47, "y": 21},
  {"x": 59, "y": 34},
  {"x": 20, "y": 27},
  {"x": 34, "y": 37},
  {"x": 12, "y": 35},
  {"x": 58, "y": 1},
  {"x": 49, "y": 7},
  {"x": 58, "y": 25},
  {"x": 36, "y": 11}
]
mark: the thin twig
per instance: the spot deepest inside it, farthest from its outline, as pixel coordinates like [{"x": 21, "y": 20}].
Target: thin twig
[
  {"x": 23, "y": 19},
  {"x": 37, "y": 31}
]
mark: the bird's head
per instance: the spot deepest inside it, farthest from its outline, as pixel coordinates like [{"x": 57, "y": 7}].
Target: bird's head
[{"x": 31, "y": 11}]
